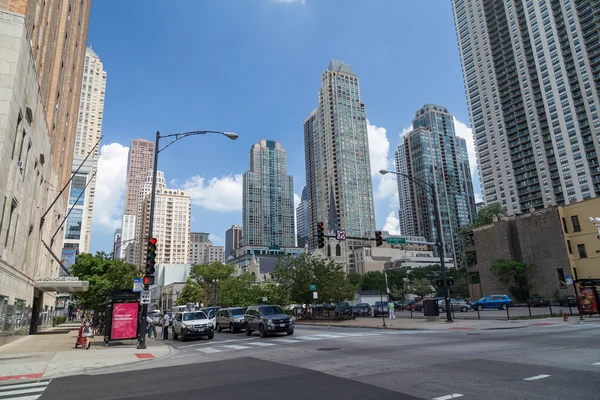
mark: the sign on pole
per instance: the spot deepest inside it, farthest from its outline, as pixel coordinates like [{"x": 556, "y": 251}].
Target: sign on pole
[
  {"x": 138, "y": 284},
  {"x": 312, "y": 287},
  {"x": 315, "y": 296},
  {"x": 264, "y": 298},
  {"x": 568, "y": 280},
  {"x": 395, "y": 240},
  {"x": 340, "y": 235},
  {"x": 145, "y": 298}
]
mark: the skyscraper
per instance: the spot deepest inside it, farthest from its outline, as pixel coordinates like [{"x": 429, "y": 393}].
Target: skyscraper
[
  {"x": 302, "y": 220},
  {"x": 406, "y": 213},
  {"x": 268, "y": 198},
  {"x": 145, "y": 188},
  {"x": 530, "y": 77},
  {"x": 338, "y": 168},
  {"x": 199, "y": 242},
  {"x": 233, "y": 240},
  {"x": 434, "y": 154},
  {"x": 89, "y": 131},
  {"x": 172, "y": 214}
]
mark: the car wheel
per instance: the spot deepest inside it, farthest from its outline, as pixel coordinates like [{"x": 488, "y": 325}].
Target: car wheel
[
  {"x": 231, "y": 328},
  {"x": 479, "y": 307},
  {"x": 219, "y": 327},
  {"x": 183, "y": 335},
  {"x": 441, "y": 309},
  {"x": 175, "y": 336},
  {"x": 248, "y": 331},
  {"x": 261, "y": 330},
  {"x": 290, "y": 333},
  {"x": 503, "y": 307},
  {"x": 464, "y": 309}
]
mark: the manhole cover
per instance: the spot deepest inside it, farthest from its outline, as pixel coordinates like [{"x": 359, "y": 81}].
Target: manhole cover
[{"x": 330, "y": 349}]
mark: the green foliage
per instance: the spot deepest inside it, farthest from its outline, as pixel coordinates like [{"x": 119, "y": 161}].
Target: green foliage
[
  {"x": 356, "y": 279},
  {"x": 421, "y": 287},
  {"x": 237, "y": 291},
  {"x": 373, "y": 280},
  {"x": 486, "y": 215},
  {"x": 58, "y": 320},
  {"x": 295, "y": 275},
  {"x": 461, "y": 282},
  {"x": 206, "y": 273},
  {"x": 192, "y": 292},
  {"x": 105, "y": 275},
  {"x": 514, "y": 274}
]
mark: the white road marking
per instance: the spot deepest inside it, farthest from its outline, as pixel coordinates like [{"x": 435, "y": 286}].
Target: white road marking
[
  {"x": 598, "y": 363},
  {"x": 24, "y": 385},
  {"x": 34, "y": 397},
  {"x": 213, "y": 342},
  {"x": 329, "y": 336},
  {"x": 535, "y": 378},
  {"x": 23, "y": 391},
  {"x": 236, "y": 347},
  {"x": 350, "y": 334},
  {"x": 262, "y": 344},
  {"x": 310, "y": 338},
  {"x": 209, "y": 350},
  {"x": 450, "y": 396},
  {"x": 285, "y": 340}
]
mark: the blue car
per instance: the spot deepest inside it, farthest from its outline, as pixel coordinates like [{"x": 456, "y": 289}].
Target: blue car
[{"x": 499, "y": 301}]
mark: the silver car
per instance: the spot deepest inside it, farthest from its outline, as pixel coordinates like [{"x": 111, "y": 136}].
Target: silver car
[
  {"x": 455, "y": 305},
  {"x": 192, "y": 323},
  {"x": 231, "y": 318}
]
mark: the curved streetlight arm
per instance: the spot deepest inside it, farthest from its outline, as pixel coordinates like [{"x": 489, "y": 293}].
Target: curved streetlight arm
[{"x": 421, "y": 183}]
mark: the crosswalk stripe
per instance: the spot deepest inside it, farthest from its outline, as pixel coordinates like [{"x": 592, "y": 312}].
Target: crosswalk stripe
[
  {"x": 236, "y": 347},
  {"x": 24, "y": 385},
  {"x": 209, "y": 350},
  {"x": 34, "y": 397},
  {"x": 262, "y": 344},
  {"x": 22, "y": 391},
  {"x": 329, "y": 336},
  {"x": 285, "y": 340},
  {"x": 310, "y": 338},
  {"x": 350, "y": 334}
]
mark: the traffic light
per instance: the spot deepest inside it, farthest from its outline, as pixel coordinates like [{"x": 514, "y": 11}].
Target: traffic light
[
  {"x": 151, "y": 257},
  {"x": 149, "y": 280},
  {"x": 321, "y": 235},
  {"x": 378, "y": 238}
]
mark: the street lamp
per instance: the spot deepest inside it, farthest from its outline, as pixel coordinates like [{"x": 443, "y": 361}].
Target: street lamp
[
  {"x": 596, "y": 222},
  {"x": 215, "y": 283},
  {"x": 157, "y": 149},
  {"x": 432, "y": 191}
]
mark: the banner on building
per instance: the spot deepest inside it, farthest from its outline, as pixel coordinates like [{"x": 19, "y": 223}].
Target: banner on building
[
  {"x": 124, "y": 321},
  {"x": 68, "y": 257}
]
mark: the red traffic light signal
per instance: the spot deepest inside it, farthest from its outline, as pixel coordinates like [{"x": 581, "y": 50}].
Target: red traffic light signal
[
  {"x": 148, "y": 280},
  {"x": 378, "y": 238},
  {"x": 153, "y": 241},
  {"x": 151, "y": 256}
]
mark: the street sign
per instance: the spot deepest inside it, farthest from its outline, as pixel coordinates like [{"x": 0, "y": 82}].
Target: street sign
[
  {"x": 264, "y": 298},
  {"x": 138, "y": 284},
  {"x": 312, "y": 287},
  {"x": 568, "y": 280},
  {"x": 395, "y": 240},
  {"x": 341, "y": 235},
  {"x": 145, "y": 298},
  {"x": 315, "y": 296}
]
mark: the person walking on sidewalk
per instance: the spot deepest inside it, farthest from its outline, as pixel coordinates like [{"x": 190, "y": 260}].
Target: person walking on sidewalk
[
  {"x": 87, "y": 331},
  {"x": 151, "y": 326},
  {"x": 392, "y": 310},
  {"x": 166, "y": 321}
]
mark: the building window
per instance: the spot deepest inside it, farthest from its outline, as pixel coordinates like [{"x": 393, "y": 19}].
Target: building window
[
  {"x": 582, "y": 252},
  {"x": 74, "y": 221},
  {"x": 561, "y": 277},
  {"x": 13, "y": 206},
  {"x": 564, "y": 222},
  {"x": 569, "y": 246},
  {"x": 77, "y": 187},
  {"x": 575, "y": 222}
]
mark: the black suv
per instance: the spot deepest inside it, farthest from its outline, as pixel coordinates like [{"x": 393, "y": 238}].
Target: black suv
[{"x": 268, "y": 320}]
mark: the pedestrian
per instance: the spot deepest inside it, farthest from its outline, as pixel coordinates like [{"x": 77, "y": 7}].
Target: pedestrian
[
  {"x": 392, "y": 310},
  {"x": 166, "y": 321},
  {"x": 87, "y": 332},
  {"x": 78, "y": 312},
  {"x": 151, "y": 326}
]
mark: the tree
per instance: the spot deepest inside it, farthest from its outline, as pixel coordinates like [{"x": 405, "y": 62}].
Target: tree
[
  {"x": 461, "y": 283},
  {"x": 356, "y": 279},
  {"x": 514, "y": 274},
  {"x": 105, "y": 275},
  {"x": 206, "y": 273},
  {"x": 237, "y": 291},
  {"x": 421, "y": 287},
  {"x": 192, "y": 292},
  {"x": 486, "y": 215},
  {"x": 373, "y": 280}
]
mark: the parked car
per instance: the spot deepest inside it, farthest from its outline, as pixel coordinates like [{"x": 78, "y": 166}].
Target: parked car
[
  {"x": 380, "y": 308},
  {"x": 418, "y": 306},
  {"x": 568, "y": 301},
  {"x": 440, "y": 301},
  {"x": 343, "y": 308},
  {"x": 192, "y": 323},
  {"x": 211, "y": 312},
  {"x": 499, "y": 301},
  {"x": 455, "y": 305},
  {"x": 362, "y": 310},
  {"x": 538, "y": 301},
  {"x": 231, "y": 318},
  {"x": 156, "y": 318},
  {"x": 268, "y": 320}
]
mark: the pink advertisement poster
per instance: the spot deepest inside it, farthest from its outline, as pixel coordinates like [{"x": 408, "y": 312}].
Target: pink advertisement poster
[{"x": 124, "y": 321}]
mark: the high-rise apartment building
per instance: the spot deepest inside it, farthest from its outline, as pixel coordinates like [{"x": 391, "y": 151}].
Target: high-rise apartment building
[
  {"x": 214, "y": 253},
  {"x": 302, "y": 220},
  {"x": 268, "y": 198},
  {"x": 172, "y": 215},
  {"x": 530, "y": 77},
  {"x": 145, "y": 188},
  {"x": 434, "y": 155},
  {"x": 406, "y": 214},
  {"x": 89, "y": 131},
  {"x": 116, "y": 242},
  {"x": 338, "y": 168},
  {"x": 199, "y": 241},
  {"x": 233, "y": 240}
]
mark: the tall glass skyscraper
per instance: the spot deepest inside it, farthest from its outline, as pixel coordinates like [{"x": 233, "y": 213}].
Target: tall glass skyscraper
[
  {"x": 433, "y": 153},
  {"x": 531, "y": 72},
  {"x": 339, "y": 187},
  {"x": 302, "y": 220},
  {"x": 268, "y": 198}
]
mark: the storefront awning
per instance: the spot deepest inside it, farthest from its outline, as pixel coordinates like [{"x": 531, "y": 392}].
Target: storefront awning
[{"x": 62, "y": 286}]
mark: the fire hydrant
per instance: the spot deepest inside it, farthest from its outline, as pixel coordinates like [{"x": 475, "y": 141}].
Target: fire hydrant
[{"x": 566, "y": 317}]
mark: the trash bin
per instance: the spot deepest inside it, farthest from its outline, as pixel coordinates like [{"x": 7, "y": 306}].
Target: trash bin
[{"x": 430, "y": 308}]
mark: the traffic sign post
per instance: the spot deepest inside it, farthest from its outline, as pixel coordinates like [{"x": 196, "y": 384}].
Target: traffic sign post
[
  {"x": 138, "y": 284},
  {"x": 145, "y": 297},
  {"x": 395, "y": 240},
  {"x": 312, "y": 287},
  {"x": 315, "y": 295},
  {"x": 340, "y": 235},
  {"x": 569, "y": 280}
]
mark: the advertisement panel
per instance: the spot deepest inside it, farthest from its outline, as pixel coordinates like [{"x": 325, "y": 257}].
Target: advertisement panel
[
  {"x": 587, "y": 301},
  {"x": 68, "y": 257},
  {"x": 124, "y": 321}
]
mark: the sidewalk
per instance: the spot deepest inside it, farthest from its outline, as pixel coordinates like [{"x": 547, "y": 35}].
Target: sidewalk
[
  {"x": 423, "y": 324},
  {"x": 52, "y": 353}
]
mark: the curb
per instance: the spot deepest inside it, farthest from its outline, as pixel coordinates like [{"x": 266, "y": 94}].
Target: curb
[{"x": 321, "y": 325}]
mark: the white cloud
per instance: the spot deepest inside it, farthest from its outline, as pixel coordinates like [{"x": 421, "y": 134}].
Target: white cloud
[
  {"x": 110, "y": 185},
  {"x": 214, "y": 238},
  {"x": 297, "y": 200},
  {"x": 463, "y": 131},
  {"x": 478, "y": 198},
  {"x": 217, "y": 194},
  {"x": 392, "y": 224},
  {"x": 379, "y": 148}
]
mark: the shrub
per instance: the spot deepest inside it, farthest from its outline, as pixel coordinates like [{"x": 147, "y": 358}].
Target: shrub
[{"x": 58, "y": 320}]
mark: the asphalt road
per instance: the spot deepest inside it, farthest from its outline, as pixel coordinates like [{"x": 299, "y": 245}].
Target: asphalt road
[{"x": 540, "y": 362}]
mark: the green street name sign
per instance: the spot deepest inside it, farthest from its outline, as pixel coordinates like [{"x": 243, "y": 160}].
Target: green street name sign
[
  {"x": 395, "y": 240},
  {"x": 313, "y": 287}
]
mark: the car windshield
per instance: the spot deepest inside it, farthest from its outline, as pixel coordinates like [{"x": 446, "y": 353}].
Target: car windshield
[
  {"x": 237, "y": 311},
  {"x": 194, "y": 315},
  {"x": 272, "y": 310},
  {"x": 381, "y": 303}
]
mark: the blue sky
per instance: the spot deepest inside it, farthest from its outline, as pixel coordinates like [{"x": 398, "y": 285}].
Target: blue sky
[{"x": 254, "y": 67}]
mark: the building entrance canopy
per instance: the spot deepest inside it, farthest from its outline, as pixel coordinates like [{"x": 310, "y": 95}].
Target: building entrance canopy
[{"x": 66, "y": 284}]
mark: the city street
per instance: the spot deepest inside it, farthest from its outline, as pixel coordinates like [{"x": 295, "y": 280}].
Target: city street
[
  {"x": 513, "y": 312},
  {"x": 548, "y": 361}
]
